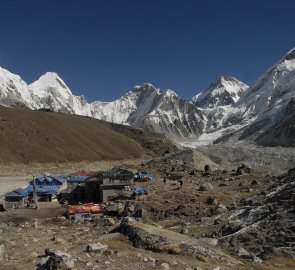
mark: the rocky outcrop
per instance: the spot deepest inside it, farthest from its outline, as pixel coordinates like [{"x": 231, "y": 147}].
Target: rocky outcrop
[
  {"x": 265, "y": 226},
  {"x": 283, "y": 133},
  {"x": 58, "y": 260},
  {"x": 162, "y": 240}
]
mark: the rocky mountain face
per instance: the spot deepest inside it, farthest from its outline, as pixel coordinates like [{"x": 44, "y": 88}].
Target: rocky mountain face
[
  {"x": 263, "y": 227},
  {"x": 227, "y": 109},
  {"x": 14, "y": 91},
  {"x": 152, "y": 109},
  {"x": 225, "y": 91},
  {"x": 269, "y": 101}
]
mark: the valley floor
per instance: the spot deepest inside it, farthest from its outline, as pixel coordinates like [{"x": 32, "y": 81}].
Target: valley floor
[{"x": 219, "y": 209}]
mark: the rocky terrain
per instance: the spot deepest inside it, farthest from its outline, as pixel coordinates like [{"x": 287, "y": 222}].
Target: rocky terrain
[
  {"x": 221, "y": 217},
  {"x": 223, "y": 196}
]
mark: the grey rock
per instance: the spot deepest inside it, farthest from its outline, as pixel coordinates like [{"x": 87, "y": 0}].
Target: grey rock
[
  {"x": 97, "y": 247},
  {"x": 212, "y": 201},
  {"x": 150, "y": 262},
  {"x": 164, "y": 266},
  {"x": 59, "y": 260},
  {"x": 106, "y": 221},
  {"x": 205, "y": 187},
  {"x": 243, "y": 253},
  {"x": 162, "y": 240}
]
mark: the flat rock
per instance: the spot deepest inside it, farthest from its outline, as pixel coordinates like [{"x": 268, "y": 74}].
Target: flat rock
[{"x": 162, "y": 240}]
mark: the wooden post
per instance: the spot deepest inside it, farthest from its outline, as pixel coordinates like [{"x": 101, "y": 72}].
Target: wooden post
[{"x": 35, "y": 197}]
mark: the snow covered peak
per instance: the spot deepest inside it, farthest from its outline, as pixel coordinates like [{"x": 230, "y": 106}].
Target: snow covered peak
[
  {"x": 169, "y": 93},
  {"x": 269, "y": 96},
  {"x": 49, "y": 79},
  {"x": 146, "y": 87},
  {"x": 13, "y": 90},
  {"x": 51, "y": 92},
  {"x": 224, "y": 91},
  {"x": 228, "y": 79}
]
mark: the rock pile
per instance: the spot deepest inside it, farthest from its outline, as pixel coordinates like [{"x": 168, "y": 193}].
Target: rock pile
[{"x": 265, "y": 227}]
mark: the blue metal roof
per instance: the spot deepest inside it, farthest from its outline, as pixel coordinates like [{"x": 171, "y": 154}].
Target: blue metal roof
[
  {"x": 17, "y": 193},
  {"x": 43, "y": 190},
  {"x": 61, "y": 179},
  {"x": 49, "y": 179}
]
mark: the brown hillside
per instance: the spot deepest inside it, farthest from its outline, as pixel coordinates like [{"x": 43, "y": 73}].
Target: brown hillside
[{"x": 35, "y": 136}]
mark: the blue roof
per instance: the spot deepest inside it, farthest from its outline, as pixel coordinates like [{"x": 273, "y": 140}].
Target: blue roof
[
  {"x": 61, "y": 179},
  {"x": 50, "y": 179},
  {"x": 17, "y": 193},
  {"x": 43, "y": 190}
]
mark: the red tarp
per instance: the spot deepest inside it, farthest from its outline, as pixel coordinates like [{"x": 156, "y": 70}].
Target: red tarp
[{"x": 86, "y": 208}]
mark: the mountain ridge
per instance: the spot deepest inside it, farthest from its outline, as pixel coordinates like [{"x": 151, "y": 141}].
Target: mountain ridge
[{"x": 225, "y": 106}]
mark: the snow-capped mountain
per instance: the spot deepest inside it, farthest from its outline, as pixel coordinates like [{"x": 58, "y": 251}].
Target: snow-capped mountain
[
  {"x": 150, "y": 108},
  {"x": 51, "y": 92},
  {"x": 267, "y": 99},
  {"x": 14, "y": 91},
  {"x": 130, "y": 108},
  {"x": 261, "y": 107},
  {"x": 225, "y": 91},
  {"x": 48, "y": 92},
  {"x": 227, "y": 107}
]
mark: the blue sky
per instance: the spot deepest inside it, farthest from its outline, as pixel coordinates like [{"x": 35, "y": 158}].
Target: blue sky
[{"x": 103, "y": 48}]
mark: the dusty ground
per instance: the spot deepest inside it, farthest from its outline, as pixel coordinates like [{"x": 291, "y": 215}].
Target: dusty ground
[{"x": 27, "y": 232}]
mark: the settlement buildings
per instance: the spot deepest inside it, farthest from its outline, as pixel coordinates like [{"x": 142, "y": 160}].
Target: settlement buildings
[
  {"x": 100, "y": 187},
  {"x": 107, "y": 184}
]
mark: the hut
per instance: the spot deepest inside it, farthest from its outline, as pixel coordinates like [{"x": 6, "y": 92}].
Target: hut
[
  {"x": 16, "y": 198},
  {"x": 47, "y": 187}
]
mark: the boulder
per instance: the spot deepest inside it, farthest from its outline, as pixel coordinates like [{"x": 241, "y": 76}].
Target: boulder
[
  {"x": 212, "y": 201},
  {"x": 210, "y": 241},
  {"x": 254, "y": 183},
  {"x": 219, "y": 209},
  {"x": 58, "y": 260},
  {"x": 138, "y": 210},
  {"x": 205, "y": 187},
  {"x": 184, "y": 230},
  {"x": 97, "y": 247},
  {"x": 106, "y": 221},
  {"x": 164, "y": 266},
  {"x": 207, "y": 170},
  {"x": 150, "y": 262},
  {"x": 162, "y": 240},
  {"x": 242, "y": 169},
  {"x": 243, "y": 253}
]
